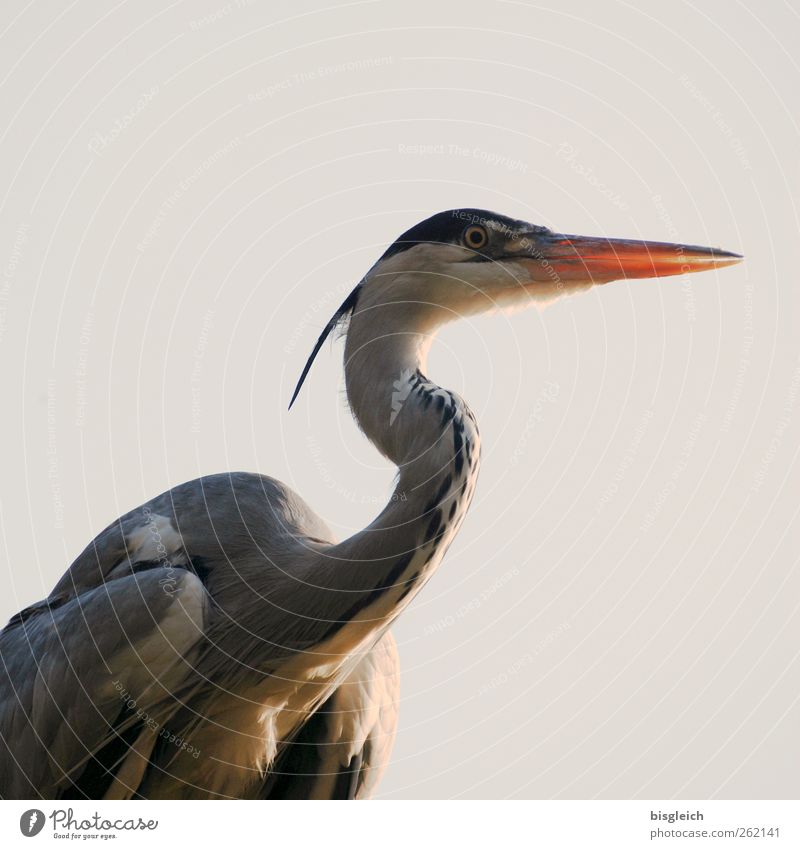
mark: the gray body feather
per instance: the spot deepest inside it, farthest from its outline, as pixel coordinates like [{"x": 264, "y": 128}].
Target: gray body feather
[{"x": 132, "y": 677}]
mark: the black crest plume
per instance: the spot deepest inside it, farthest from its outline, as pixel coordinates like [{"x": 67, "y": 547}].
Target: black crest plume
[{"x": 347, "y": 307}]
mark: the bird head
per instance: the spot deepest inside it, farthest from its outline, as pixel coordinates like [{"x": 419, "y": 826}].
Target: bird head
[{"x": 467, "y": 261}]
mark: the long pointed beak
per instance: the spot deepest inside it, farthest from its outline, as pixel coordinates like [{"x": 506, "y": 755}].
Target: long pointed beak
[{"x": 600, "y": 260}]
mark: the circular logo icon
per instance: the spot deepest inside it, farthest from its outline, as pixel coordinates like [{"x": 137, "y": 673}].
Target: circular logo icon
[{"x": 31, "y": 822}]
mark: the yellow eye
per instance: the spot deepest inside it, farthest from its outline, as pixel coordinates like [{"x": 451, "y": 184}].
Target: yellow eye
[{"x": 475, "y": 237}]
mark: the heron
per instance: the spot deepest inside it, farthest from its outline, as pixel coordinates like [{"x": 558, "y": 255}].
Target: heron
[{"x": 218, "y": 642}]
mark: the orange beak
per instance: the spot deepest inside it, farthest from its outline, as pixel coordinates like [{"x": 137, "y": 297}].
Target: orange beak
[{"x": 600, "y": 260}]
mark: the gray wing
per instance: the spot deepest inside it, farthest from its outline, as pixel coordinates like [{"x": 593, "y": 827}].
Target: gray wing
[
  {"x": 223, "y": 520},
  {"x": 92, "y": 674},
  {"x": 164, "y": 625},
  {"x": 343, "y": 749},
  {"x": 68, "y": 672}
]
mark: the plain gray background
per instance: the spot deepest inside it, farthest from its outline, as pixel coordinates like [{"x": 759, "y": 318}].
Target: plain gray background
[{"x": 188, "y": 190}]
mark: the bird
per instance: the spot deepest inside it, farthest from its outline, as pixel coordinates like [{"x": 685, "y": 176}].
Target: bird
[{"x": 218, "y": 642}]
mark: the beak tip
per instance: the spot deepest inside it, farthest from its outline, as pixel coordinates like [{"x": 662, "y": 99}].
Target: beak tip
[{"x": 722, "y": 259}]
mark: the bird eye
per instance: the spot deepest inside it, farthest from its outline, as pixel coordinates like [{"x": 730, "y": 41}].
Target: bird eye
[{"x": 475, "y": 237}]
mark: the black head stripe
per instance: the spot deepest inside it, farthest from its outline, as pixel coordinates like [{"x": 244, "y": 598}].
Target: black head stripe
[
  {"x": 344, "y": 310},
  {"x": 447, "y": 228}
]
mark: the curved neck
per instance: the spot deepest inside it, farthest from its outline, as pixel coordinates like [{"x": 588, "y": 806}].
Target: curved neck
[
  {"x": 384, "y": 363},
  {"x": 432, "y": 436},
  {"x": 428, "y": 432}
]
